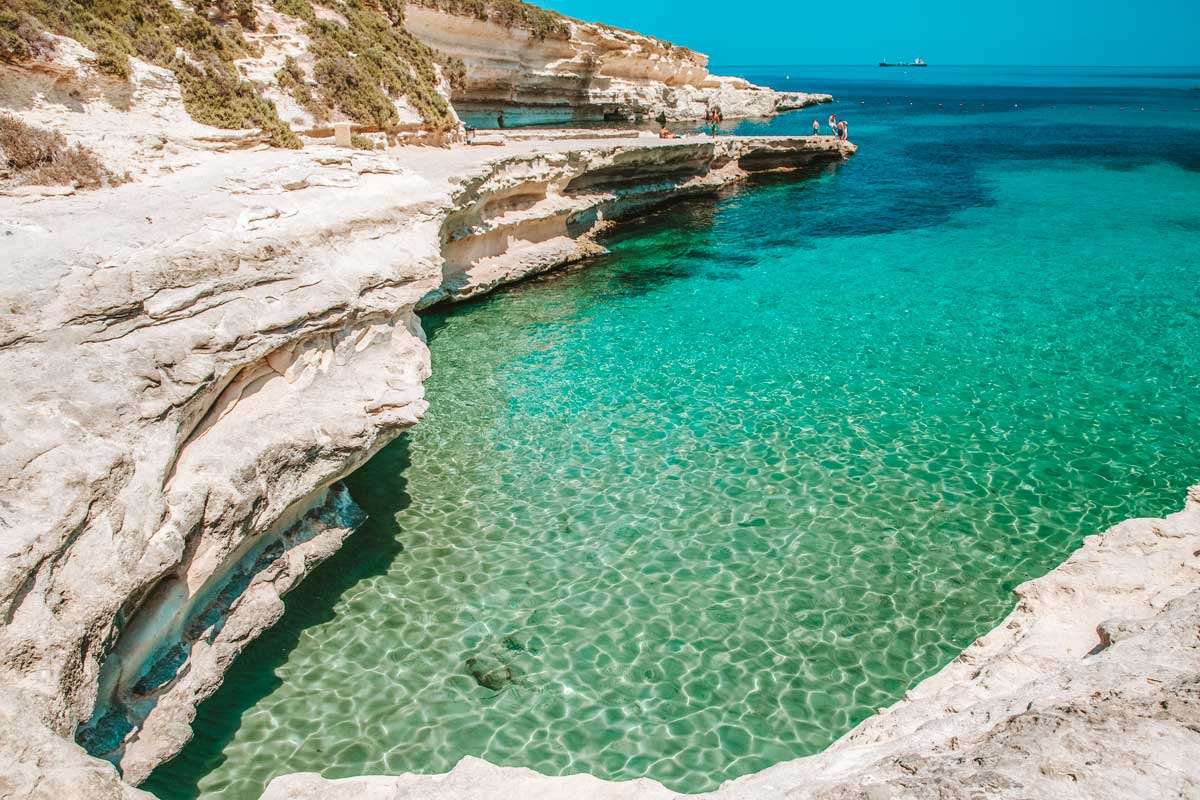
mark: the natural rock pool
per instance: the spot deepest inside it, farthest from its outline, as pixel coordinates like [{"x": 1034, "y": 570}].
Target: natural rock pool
[{"x": 702, "y": 506}]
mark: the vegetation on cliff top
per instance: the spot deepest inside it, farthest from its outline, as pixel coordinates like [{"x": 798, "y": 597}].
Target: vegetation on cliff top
[
  {"x": 363, "y": 58},
  {"x": 541, "y": 23},
  {"x": 37, "y": 156},
  {"x": 359, "y": 68},
  {"x": 156, "y": 31}
]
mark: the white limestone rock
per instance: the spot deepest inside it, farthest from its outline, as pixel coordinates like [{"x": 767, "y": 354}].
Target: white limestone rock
[{"x": 600, "y": 72}]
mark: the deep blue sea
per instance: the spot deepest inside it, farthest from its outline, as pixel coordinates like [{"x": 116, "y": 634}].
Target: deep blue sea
[{"x": 703, "y": 504}]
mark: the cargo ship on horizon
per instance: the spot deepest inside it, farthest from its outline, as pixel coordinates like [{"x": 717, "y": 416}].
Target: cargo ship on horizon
[{"x": 919, "y": 62}]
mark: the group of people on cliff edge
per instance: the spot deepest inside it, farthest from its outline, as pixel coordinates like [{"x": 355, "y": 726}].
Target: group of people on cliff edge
[{"x": 839, "y": 127}]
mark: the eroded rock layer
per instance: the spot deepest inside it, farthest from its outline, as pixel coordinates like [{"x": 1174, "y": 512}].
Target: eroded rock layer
[{"x": 598, "y": 73}]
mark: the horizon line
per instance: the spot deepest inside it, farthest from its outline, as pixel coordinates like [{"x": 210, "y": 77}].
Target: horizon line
[{"x": 1041, "y": 66}]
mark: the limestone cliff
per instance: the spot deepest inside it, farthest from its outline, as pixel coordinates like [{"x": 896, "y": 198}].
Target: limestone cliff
[
  {"x": 197, "y": 357},
  {"x": 595, "y": 72}
]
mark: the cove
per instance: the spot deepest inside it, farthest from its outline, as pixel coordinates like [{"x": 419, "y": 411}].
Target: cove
[{"x": 701, "y": 505}]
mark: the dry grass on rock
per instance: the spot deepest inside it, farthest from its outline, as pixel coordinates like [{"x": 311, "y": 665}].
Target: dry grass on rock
[{"x": 38, "y": 157}]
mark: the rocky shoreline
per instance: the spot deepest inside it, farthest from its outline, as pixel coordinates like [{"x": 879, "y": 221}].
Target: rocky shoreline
[{"x": 290, "y": 306}]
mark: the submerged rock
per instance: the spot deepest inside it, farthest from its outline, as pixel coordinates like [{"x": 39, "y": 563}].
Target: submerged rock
[
  {"x": 489, "y": 672},
  {"x": 522, "y": 643},
  {"x": 495, "y": 666}
]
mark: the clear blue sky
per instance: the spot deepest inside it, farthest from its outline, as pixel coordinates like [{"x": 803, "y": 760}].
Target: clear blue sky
[{"x": 1051, "y": 32}]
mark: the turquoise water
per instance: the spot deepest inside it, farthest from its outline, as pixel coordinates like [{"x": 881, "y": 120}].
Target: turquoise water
[{"x": 706, "y": 503}]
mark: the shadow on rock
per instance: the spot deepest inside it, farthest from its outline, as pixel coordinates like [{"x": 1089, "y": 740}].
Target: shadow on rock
[{"x": 380, "y": 490}]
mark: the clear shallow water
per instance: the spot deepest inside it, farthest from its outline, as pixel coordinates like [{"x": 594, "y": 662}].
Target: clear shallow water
[{"x": 712, "y": 500}]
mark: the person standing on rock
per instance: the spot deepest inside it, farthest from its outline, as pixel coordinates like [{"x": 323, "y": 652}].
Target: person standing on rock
[
  {"x": 500, "y": 119},
  {"x": 844, "y": 131},
  {"x": 816, "y": 127},
  {"x": 833, "y": 126}
]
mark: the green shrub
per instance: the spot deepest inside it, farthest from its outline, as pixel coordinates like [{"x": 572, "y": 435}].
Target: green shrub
[
  {"x": 20, "y": 36},
  {"x": 350, "y": 90},
  {"x": 37, "y": 156},
  {"x": 215, "y": 94},
  {"x": 111, "y": 60},
  {"x": 244, "y": 9},
  {"x": 241, "y": 10},
  {"x": 292, "y": 80},
  {"x": 393, "y": 10},
  {"x": 363, "y": 142},
  {"x": 456, "y": 73},
  {"x": 363, "y": 65},
  {"x": 296, "y": 8}
]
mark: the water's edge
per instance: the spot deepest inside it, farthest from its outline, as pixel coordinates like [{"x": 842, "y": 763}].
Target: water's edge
[
  {"x": 174, "y": 653},
  {"x": 1097, "y": 655},
  {"x": 1085, "y": 632}
]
